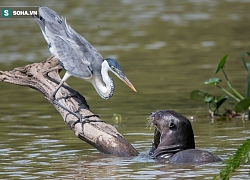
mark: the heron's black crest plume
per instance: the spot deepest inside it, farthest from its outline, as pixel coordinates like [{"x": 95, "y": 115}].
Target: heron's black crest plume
[{"x": 114, "y": 63}]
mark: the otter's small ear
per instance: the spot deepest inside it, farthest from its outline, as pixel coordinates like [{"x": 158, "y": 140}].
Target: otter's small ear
[{"x": 172, "y": 125}]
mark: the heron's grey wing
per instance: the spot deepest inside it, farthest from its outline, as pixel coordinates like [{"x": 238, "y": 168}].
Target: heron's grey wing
[
  {"x": 49, "y": 19},
  {"x": 68, "y": 56},
  {"x": 76, "y": 50},
  {"x": 80, "y": 44},
  {"x": 47, "y": 15},
  {"x": 84, "y": 48},
  {"x": 65, "y": 50}
]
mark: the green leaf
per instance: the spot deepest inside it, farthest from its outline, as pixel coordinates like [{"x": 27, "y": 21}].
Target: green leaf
[
  {"x": 246, "y": 155},
  {"x": 248, "y": 87},
  {"x": 248, "y": 66},
  {"x": 212, "y": 81},
  {"x": 198, "y": 94},
  {"x": 242, "y": 105},
  {"x": 221, "y": 64},
  {"x": 219, "y": 101},
  {"x": 244, "y": 61},
  {"x": 209, "y": 99},
  {"x": 233, "y": 163}
]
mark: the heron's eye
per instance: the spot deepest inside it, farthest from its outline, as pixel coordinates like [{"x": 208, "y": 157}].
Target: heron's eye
[{"x": 113, "y": 68}]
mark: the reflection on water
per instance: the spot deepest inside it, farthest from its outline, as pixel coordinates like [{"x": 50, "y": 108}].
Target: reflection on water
[{"x": 166, "y": 49}]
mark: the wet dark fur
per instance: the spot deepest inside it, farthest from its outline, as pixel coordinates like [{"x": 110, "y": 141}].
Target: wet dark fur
[{"x": 174, "y": 139}]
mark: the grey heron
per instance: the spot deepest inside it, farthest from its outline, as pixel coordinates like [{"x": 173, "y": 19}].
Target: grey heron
[{"x": 77, "y": 56}]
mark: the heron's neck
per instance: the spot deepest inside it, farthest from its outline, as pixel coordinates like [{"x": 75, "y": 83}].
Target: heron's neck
[{"x": 104, "y": 84}]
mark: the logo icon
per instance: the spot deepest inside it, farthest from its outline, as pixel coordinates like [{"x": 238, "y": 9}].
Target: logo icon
[{"x": 6, "y": 13}]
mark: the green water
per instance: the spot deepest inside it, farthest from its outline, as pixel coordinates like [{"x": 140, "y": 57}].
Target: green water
[{"x": 166, "y": 49}]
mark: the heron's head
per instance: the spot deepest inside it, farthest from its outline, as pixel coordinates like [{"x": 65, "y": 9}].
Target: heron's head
[{"x": 115, "y": 68}]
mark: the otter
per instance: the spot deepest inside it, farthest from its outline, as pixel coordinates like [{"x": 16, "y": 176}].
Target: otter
[{"x": 174, "y": 140}]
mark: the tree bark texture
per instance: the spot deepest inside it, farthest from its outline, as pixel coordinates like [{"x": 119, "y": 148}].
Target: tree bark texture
[{"x": 97, "y": 133}]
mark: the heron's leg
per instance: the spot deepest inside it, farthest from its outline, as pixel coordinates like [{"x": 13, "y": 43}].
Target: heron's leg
[
  {"x": 46, "y": 73},
  {"x": 53, "y": 97},
  {"x": 81, "y": 119},
  {"x": 58, "y": 87},
  {"x": 66, "y": 109},
  {"x": 59, "y": 104}
]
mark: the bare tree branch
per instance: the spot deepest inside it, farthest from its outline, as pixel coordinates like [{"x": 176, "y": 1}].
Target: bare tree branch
[{"x": 102, "y": 136}]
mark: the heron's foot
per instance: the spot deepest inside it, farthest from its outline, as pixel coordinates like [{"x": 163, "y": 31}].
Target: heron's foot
[
  {"x": 85, "y": 119},
  {"x": 46, "y": 72},
  {"x": 53, "y": 99},
  {"x": 53, "y": 96},
  {"x": 66, "y": 109},
  {"x": 81, "y": 119},
  {"x": 73, "y": 94}
]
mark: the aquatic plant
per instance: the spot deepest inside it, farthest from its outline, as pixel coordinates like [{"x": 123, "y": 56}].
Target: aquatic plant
[
  {"x": 240, "y": 157},
  {"x": 214, "y": 102}
]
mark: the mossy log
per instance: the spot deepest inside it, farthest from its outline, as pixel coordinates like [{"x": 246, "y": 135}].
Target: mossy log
[{"x": 97, "y": 133}]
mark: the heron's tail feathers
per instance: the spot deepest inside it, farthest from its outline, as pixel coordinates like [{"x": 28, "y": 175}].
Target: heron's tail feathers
[
  {"x": 49, "y": 15},
  {"x": 50, "y": 23}
]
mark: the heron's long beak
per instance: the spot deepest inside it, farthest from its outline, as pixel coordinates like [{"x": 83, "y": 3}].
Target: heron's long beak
[{"x": 122, "y": 77}]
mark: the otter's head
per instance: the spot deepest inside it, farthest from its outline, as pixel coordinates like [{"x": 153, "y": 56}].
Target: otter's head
[{"x": 173, "y": 132}]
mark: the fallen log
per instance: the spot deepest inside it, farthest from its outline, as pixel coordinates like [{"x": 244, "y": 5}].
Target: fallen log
[{"x": 94, "y": 131}]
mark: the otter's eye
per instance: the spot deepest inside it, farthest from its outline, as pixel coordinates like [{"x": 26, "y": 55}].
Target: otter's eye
[{"x": 172, "y": 125}]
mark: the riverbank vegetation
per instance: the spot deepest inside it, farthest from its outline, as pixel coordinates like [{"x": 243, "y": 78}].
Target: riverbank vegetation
[{"x": 241, "y": 109}]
